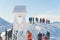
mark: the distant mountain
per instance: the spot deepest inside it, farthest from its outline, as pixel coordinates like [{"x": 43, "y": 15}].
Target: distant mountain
[
  {"x": 4, "y": 25},
  {"x": 56, "y": 22}
]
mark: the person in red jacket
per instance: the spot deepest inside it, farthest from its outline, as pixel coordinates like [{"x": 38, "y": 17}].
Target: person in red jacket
[
  {"x": 29, "y": 35},
  {"x": 44, "y": 37}
]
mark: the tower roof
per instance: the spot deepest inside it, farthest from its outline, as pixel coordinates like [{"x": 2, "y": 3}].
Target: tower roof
[{"x": 19, "y": 9}]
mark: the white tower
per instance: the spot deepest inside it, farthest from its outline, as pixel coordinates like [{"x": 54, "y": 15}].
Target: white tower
[{"x": 19, "y": 22}]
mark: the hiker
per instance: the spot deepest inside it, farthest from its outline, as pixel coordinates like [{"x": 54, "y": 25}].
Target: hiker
[
  {"x": 40, "y": 20},
  {"x": 44, "y": 37},
  {"x": 36, "y": 19},
  {"x": 47, "y": 21},
  {"x": 48, "y": 35},
  {"x": 29, "y": 35},
  {"x": 43, "y": 20},
  {"x": 33, "y": 20},
  {"x": 30, "y": 19},
  {"x": 40, "y": 36}
]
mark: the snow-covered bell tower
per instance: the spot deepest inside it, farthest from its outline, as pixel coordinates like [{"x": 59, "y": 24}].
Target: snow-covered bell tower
[{"x": 19, "y": 22}]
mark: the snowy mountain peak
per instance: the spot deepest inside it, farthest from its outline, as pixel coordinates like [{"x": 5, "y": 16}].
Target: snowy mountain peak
[{"x": 4, "y": 25}]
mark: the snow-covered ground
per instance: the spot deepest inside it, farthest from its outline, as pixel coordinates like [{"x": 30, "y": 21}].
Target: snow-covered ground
[{"x": 53, "y": 28}]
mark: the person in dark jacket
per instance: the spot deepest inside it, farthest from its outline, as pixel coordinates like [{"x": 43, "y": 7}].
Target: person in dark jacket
[
  {"x": 43, "y": 20},
  {"x": 36, "y": 19},
  {"x": 30, "y": 19},
  {"x": 33, "y": 20},
  {"x": 40, "y": 36},
  {"x": 49, "y": 21},
  {"x": 48, "y": 35},
  {"x": 40, "y": 20}
]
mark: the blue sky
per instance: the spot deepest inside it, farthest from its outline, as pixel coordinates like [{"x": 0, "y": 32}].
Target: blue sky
[{"x": 41, "y": 8}]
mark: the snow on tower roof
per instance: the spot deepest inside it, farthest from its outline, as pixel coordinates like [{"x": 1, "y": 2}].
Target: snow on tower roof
[{"x": 18, "y": 9}]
